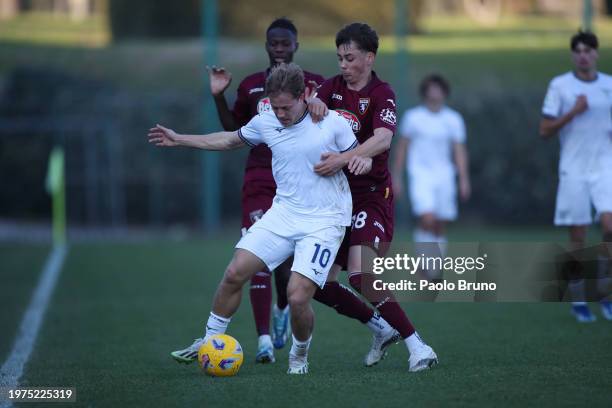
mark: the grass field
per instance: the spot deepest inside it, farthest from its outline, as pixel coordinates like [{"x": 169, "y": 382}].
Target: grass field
[{"x": 119, "y": 309}]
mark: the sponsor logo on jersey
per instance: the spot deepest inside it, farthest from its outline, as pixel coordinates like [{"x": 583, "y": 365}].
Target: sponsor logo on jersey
[
  {"x": 388, "y": 116},
  {"x": 364, "y": 103},
  {"x": 253, "y": 90},
  {"x": 256, "y": 215},
  {"x": 264, "y": 105},
  {"x": 379, "y": 225},
  {"x": 392, "y": 102},
  {"x": 351, "y": 118},
  {"x": 336, "y": 96}
]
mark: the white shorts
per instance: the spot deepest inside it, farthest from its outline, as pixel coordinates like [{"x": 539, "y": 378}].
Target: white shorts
[
  {"x": 434, "y": 194},
  {"x": 273, "y": 239},
  {"x": 576, "y": 198}
]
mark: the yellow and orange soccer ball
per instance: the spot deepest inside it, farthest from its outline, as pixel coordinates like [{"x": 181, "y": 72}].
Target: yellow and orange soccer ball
[{"x": 220, "y": 356}]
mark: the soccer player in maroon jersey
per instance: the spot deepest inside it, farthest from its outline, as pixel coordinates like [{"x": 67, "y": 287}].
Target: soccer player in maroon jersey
[{"x": 368, "y": 104}]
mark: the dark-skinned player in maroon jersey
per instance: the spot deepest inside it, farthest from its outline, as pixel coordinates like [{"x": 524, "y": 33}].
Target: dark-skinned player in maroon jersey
[
  {"x": 257, "y": 194},
  {"x": 369, "y": 106},
  {"x": 259, "y": 188}
]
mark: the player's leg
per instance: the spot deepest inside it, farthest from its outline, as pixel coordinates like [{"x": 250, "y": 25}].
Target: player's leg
[
  {"x": 254, "y": 205},
  {"x": 260, "y": 294},
  {"x": 421, "y": 355},
  {"x": 299, "y": 292},
  {"x": 426, "y": 197},
  {"x": 313, "y": 259},
  {"x": 373, "y": 231},
  {"x": 604, "y": 272},
  {"x": 243, "y": 265},
  {"x": 601, "y": 192},
  {"x": 573, "y": 209},
  {"x": 345, "y": 302},
  {"x": 281, "y": 327}
]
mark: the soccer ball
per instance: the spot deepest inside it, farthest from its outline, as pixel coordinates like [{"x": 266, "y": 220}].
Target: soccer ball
[{"x": 220, "y": 356}]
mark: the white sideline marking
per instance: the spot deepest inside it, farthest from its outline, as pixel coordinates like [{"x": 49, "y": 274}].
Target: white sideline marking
[{"x": 12, "y": 369}]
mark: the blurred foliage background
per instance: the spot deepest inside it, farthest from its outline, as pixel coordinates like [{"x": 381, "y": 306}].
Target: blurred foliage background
[{"x": 95, "y": 75}]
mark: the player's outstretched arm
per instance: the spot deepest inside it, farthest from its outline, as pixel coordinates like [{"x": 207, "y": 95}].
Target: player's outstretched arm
[
  {"x": 551, "y": 126},
  {"x": 164, "y": 137},
  {"x": 220, "y": 79}
]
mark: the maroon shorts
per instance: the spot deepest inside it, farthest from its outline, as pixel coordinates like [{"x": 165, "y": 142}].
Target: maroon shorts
[
  {"x": 372, "y": 224},
  {"x": 258, "y": 191}
]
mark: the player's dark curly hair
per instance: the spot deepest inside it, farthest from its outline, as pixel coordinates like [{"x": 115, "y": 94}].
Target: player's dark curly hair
[
  {"x": 283, "y": 22},
  {"x": 362, "y": 34},
  {"x": 434, "y": 79},
  {"x": 585, "y": 37},
  {"x": 285, "y": 78}
]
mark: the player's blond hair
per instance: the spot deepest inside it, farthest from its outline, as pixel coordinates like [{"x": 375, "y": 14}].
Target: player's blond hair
[{"x": 287, "y": 78}]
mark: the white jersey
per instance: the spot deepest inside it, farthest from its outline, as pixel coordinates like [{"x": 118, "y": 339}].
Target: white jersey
[
  {"x": 432, "y": 135},
  {"x": 296, "y": 149},
  {"x": 586, "y": 141}
]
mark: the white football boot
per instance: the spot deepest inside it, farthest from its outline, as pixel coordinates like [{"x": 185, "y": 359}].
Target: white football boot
[
  {"x": 422, "y": 358},
  {"x": 297, "y": 364},
  {"x": 380, "y": 343},
  {"x": 265, "y": 351},
  {"x": 190, "y": 353}
]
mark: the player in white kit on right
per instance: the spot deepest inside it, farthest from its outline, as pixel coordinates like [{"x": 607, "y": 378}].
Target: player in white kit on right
[
  {"x": 578, "y": 107},
  {"x": 309, "y": 213}
]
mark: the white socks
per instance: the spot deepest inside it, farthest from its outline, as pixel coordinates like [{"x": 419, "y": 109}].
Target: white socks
[
  {"x": 300, "y": 348},
  {"x": 378, "y": 325},
  {"x": 413, "y": 342},
  {"x": 216, "y": 324}
]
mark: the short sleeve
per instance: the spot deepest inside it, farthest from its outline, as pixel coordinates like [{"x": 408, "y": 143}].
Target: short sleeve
[
  {"x": 252, "y": 131},
  {"x": 344, "y": 136},
  {"x": 385, "y": 115},
  {"x": 408, "y": 125},
  {"x": 457, "y": 126},
  {"x": 242, "y": 110},
  {"x": 324, "y": 91},
  {"x": 552, "y": 102}
]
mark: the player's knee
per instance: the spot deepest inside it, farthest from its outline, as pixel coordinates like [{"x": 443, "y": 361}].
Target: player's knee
[
  {"x": 234, "y": 275},
  {"x": 428, "y": 222},
  {"x": 297, "y": 299},
  {"x": 298, "y": 296}
]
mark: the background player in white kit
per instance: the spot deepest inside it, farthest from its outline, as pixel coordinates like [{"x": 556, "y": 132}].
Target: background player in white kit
[
  {"x": 309, "y": 213},
  {"x": 578, "y": 106},
  {"x": 433, "y": 143}
]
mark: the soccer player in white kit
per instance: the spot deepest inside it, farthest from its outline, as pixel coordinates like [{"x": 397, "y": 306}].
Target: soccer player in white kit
[
  {"x": 433, "y": 153},
  {"x": 578, "y": 107},
  {"x": 309, "y": 213}
]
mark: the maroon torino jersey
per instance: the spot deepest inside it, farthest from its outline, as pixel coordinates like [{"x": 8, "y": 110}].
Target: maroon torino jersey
[
  {"x": 370, "y": 108},
  {"x": 250, "y": 102}
]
